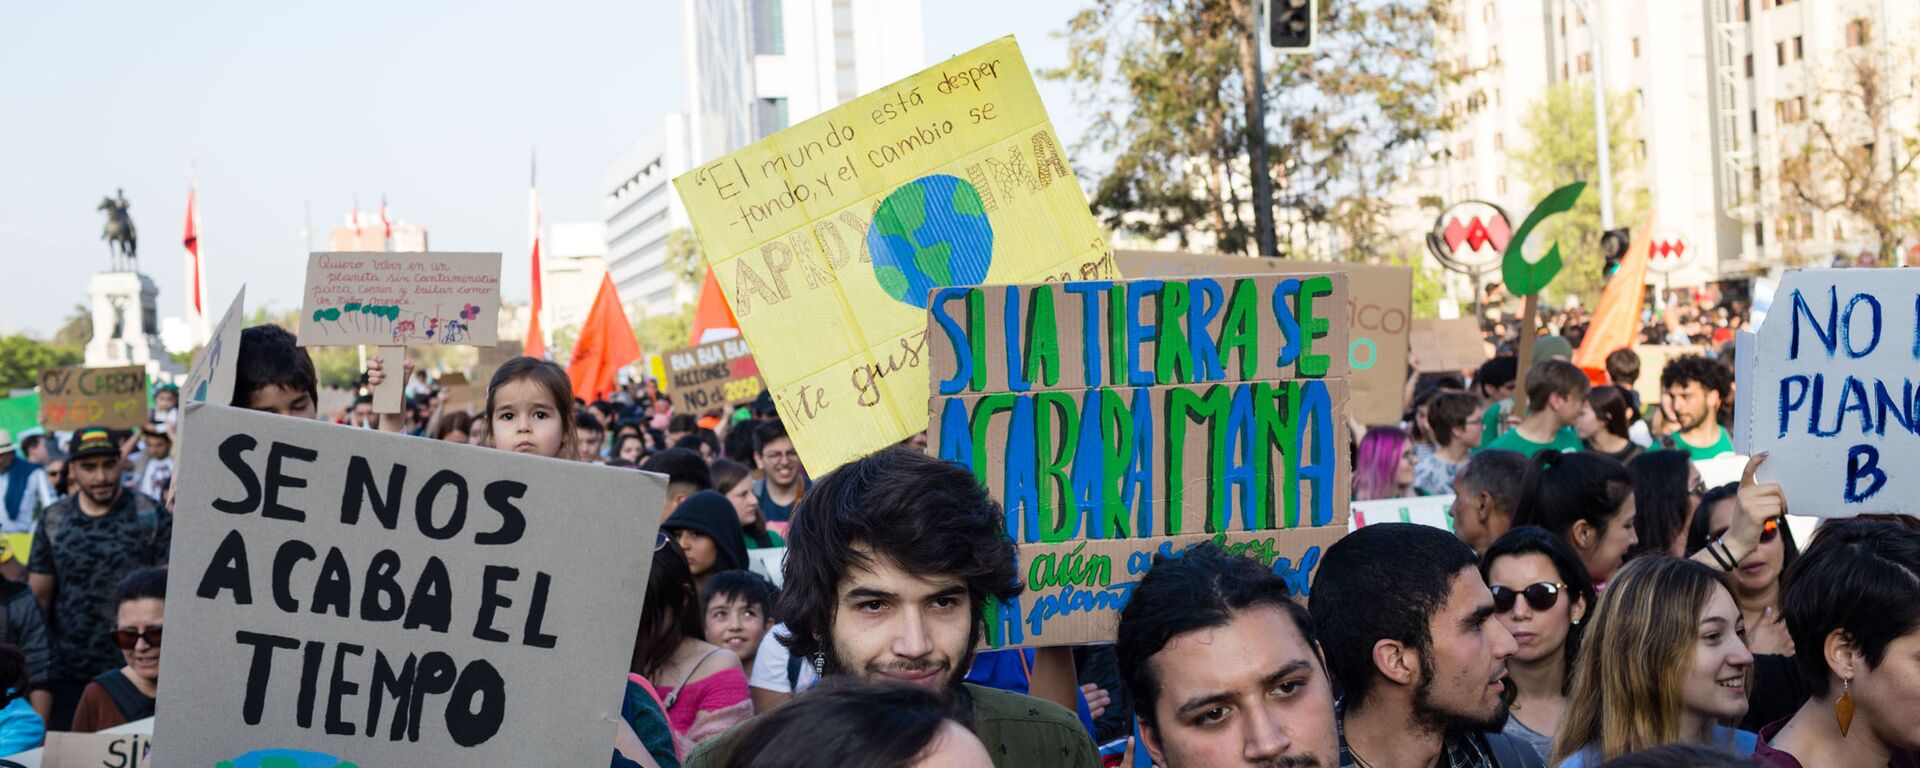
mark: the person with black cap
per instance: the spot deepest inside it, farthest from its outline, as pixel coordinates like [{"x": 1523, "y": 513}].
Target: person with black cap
[
  {"x": 709, "y": 532},
  {"x": 85, "y": 544}
]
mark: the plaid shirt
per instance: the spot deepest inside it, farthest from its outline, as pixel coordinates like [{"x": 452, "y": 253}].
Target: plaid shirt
[{"x": 1460, "y": 750}]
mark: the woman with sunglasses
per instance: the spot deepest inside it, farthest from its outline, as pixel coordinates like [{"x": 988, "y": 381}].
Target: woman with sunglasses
[
  {"x": 1755, "y": 580},
  {"x": 1540, "y": 594},
  {"x": 1666, "y": 664},
  {"x": 126, "y": 694}
]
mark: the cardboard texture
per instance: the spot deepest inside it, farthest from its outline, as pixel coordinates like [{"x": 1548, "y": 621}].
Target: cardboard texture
[
  {"x": 94, "y": 750},
  {"x": 713, "y": 375},
  {"x": 387, "y": 600},
  {"x": 401, "y": 299},
  {"x": 459, "y": 394},
  {"x": 77, "y": 396},
  {"x": 1653, "y": 360},
  {"x": 391, "y": 395},
  {"x": 1745, "y": 346},
  {"x": 1832, "y": 391},
  {"x": 826, "y": 238},
  {"x": 1425, "y": 510},
  {"x": 1109, "y": 416},
  {"x": 1447, "y": 346},
  {"x": 210, "y": 380},
  {"x": 1379, "y": 317},
  {"x": 1076, "y": 590}
]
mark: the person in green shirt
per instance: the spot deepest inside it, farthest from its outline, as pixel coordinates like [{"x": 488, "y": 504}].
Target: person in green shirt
[
  {"x": 1692, "y": 389},
  {"x": 1556, "y": 391},
  {"x": 891, "y": 561}
]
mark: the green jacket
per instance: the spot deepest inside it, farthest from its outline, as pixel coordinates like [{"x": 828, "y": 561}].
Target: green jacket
[{"x": 1019, "y": 731}]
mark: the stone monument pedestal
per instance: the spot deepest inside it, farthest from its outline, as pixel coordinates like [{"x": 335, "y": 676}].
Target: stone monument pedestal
[{"x": 126, "y": 328}]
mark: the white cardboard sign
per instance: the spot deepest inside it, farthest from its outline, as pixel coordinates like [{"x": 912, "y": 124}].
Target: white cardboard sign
[{"x": 1832, "y": 393}]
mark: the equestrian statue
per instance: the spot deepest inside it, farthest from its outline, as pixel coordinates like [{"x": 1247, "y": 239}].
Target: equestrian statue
[{"x": 118, "y": 231}]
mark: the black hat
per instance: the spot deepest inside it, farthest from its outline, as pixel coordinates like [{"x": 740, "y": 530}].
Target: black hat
[
  {"x": 710, "y": 514},
  {"x": 92, "y": 441}
]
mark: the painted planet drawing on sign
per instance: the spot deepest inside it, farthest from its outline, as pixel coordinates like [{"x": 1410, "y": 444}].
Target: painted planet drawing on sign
[
  {"x": 284, "y": 758},
  {"x": 930, "y": 233}
]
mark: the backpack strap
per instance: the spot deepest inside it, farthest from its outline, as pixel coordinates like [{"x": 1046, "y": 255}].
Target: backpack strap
[{"x": 1509, "y": 752}]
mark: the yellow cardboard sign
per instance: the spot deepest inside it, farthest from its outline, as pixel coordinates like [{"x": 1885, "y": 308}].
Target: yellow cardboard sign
[{"x": 828, "y": 237}]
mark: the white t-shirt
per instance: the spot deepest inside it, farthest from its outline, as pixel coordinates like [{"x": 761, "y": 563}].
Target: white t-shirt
[
  {"x": 770, "y": 666},
  {"x": 154, "y": 476}
]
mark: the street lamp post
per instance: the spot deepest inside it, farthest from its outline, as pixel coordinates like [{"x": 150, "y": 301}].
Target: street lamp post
[{"x": 1601, "y": 139}]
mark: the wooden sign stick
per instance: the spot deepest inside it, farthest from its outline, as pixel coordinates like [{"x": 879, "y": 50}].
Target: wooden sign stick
[
  {"x": 1529, "y": 329},
  {"x": 391, "y": 395}
]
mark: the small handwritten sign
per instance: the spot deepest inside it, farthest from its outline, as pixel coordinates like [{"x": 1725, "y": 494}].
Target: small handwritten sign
[
  {"x": 827, "y": 237},
  {"x": 1111, "y": 418},
  {"x": 77, "y": 396},
  {"x": 401, "y": 299},
  {"x": 713, "y": 375},
  {"x": 1833, "y": 392}
]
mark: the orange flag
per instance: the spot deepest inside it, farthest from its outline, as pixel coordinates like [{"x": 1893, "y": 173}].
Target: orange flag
[
  {"x": 713, "y": 312},
  {"x": 606, "y": 343},
  {"x": 1616, "y": 319}
]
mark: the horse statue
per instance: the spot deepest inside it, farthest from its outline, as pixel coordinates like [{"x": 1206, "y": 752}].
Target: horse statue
[{"x": 118, "y": 231}]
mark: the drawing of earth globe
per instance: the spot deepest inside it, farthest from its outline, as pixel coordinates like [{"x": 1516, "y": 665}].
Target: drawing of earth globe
[
  {"x": 284, "y": 758},
  {"x": 930, "y": 233}
]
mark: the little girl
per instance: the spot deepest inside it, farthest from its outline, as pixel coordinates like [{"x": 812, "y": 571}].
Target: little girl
[{"x": 530, "y": 409}]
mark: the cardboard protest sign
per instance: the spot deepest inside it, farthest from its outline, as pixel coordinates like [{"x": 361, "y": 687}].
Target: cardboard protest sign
[
  {"x": 1108, "y": 416},
  {"x": 1653, "y": 360},
  {"x": 1425, "y": 510},
  {"x": 826, "y": 238},
  {"x": 459, "y": 394},
  {"x": 400, "y": 299},
  {"x": 210, "y": 380},
  {"x": 356, "y": 596},
  {"x": 1379, "y": 316},
  {"x": 77, "y": 396},
  {"x": 1832, "y": 395},
  {"x": 713, "y": 375},
  {"x": 94, "y": 750},
  {"x": 1447, "y": 346}
]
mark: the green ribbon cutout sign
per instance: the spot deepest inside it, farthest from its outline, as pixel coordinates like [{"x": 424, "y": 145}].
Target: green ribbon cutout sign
[{"x": 1525, "y": 278}]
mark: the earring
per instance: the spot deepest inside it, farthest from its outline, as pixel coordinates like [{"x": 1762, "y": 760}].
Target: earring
[
  {"x": 820, "y": 667},
  {"x": 1844, "y": 708}
]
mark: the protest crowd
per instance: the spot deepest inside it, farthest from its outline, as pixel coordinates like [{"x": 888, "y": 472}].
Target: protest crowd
[
  {"x": 1147, "y": 520},
  {"x": 1597, "y": 602}
]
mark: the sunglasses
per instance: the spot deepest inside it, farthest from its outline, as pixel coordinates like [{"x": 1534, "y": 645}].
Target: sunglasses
[
  {"x": 1699, "y": 489},
  {"x": 126, "y": 639},
  {"x": 1769, "y": 531},
  {"x": 660, "y": 540},
  {"x": 1539, "y": 596}
]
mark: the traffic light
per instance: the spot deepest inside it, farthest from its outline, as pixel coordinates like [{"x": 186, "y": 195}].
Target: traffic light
[
  {"x": 1614, "y": 246},
  {"x": 1290, "y": 25}
]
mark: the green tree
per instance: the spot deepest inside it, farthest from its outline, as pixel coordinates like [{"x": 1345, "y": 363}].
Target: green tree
[
  {"x": 1854, "y": 157},
  {"x": 1560, "y": 151},
  {"x": 1169, "y": 83},
  {"x": 22, "y": 358},
  {"x": 664, "y": 333},
  {"x": 77, "y": 329},
  {"x": 683, "y": 257}
]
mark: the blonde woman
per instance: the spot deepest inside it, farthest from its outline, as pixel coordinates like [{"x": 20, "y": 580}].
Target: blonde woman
[{"x": 1664, "y": 662}]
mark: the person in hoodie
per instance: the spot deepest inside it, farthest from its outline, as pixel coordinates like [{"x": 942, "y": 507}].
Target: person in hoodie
[{"x": 708, "y": 530}]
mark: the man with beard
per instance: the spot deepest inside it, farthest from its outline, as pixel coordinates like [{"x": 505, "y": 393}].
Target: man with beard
[
  {"x": 890, "y": 563},
  {"x": 1407, "y": 626},
  {"x": 1223, "y": 667},
  {"x": 85, "y": 544},
  {"x": 1692, "y": 389}
]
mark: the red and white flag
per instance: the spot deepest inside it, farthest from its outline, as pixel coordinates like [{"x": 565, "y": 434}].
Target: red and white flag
[
  {"x": 196, "y": 271},
  {"x": 385, "y": 225},
  {"x": 353, "y": 218},
  {"x": 536, "y": 344}
]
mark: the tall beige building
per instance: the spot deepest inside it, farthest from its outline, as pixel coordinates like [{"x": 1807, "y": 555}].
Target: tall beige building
[{"x": 1721, "y": 90}]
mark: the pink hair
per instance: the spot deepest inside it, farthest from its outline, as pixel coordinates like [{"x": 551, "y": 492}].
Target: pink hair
[{"x": 1376, "y": 474}]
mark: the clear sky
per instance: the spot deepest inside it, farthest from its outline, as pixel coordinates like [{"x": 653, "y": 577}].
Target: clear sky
[{"x": 280, "y": 106}]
